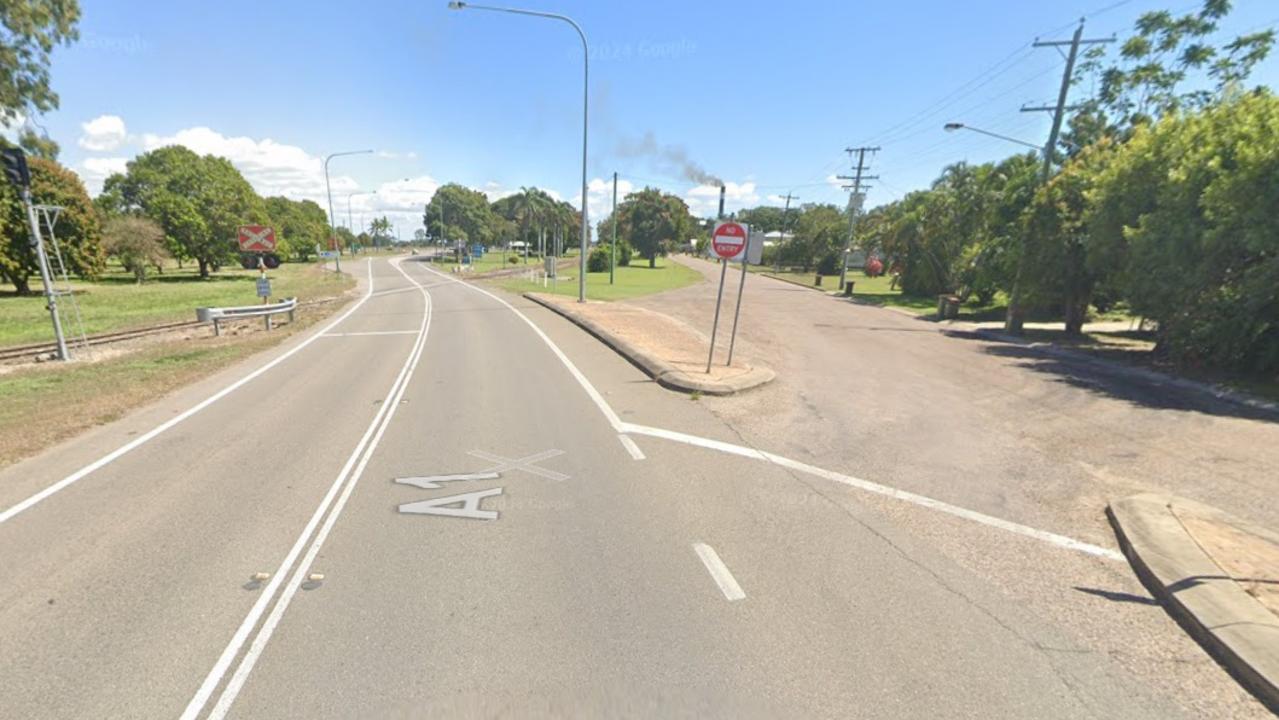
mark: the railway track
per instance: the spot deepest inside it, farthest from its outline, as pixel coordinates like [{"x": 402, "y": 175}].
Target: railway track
[{"x": 36, "y": 350}]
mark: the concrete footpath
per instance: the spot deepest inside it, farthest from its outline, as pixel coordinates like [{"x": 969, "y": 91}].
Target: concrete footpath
[
  {"x": 667, "y": 350},
  {"x": 1215, "y": 574}
]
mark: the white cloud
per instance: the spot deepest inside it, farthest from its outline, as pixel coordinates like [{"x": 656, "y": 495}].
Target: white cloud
[
  {"x": 103, "y": 133},
  {"x": 703, "y": 200},
  {"x": 401, "y": 201},
  {"x": 94, "y": 171},
  {"x": 599, "y": 192},
  {"x": 273, "y": 168}
]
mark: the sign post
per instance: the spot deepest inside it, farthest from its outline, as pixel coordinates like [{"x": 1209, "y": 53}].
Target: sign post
[
  {"x": 752, "y": 253},
  {"x": 727, "y": 241}
]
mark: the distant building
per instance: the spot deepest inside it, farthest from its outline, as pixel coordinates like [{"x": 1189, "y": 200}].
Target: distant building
[{"x": 775, "y": 237}]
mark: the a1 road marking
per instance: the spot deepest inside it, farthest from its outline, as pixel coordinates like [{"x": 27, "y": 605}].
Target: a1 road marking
[
  {"x": 467, "y": 505},
  {"x": 446, "y": 506}
]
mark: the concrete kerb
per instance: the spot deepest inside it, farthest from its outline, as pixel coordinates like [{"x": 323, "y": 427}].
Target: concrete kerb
[
  {"x": 1235, "y": 629},
  {"x": 662, "y": 372}
]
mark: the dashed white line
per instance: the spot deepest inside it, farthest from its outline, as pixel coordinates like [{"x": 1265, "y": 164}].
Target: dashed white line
[
  {"x": 631, "y": 447},
  {"x": 719, "y": 572},
  {"x": 146, "y": 437}
]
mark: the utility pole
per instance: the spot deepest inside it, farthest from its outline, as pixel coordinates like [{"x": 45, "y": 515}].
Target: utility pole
[
  {"x": 612, "y": 264},
  {"x": 777, "y": 254},
  {"x": 1016, "y": 317},
  {"x": 855, "y": 201}
]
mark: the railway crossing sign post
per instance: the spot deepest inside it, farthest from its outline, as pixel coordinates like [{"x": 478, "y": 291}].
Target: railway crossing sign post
[{"x": 728, "y": 240}]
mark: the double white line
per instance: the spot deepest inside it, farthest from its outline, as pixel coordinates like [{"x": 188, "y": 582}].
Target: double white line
[{"x": 328, "y": 511}]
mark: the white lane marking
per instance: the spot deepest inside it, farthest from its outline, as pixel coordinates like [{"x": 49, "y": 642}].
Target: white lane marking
[
  {"x": 591, "y": 392},
  {"x": 631, "y": 447},
  {"x": 362, "y": 452},
  {"x": 902, "y": 495},
  {"x": 431, "y": 482},
  {"x": 920, "y": 500},
  {"x": 719, "y": 572},
  {"x": 525, "y": 463},
  {"x": 372, "y": 332},
  {"x": 151, "y": 434}
]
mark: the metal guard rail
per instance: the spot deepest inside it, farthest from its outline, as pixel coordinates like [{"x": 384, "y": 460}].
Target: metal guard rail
[{"x": 217, "y": 315}]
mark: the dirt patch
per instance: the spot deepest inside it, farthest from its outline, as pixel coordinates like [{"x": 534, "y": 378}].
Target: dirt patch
[
  {"x": 1248, "y": 555},
  {"x": 662, "y": 345}
]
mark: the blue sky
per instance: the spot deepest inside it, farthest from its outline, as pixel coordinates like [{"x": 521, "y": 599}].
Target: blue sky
[{"x": 762, "y": 95}]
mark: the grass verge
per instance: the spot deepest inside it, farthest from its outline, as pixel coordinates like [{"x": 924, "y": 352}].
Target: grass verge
[
  {"x": 115, "y": 302},
  {"x": 631, "y": 281},
  {"x": 45, "y": 404}
]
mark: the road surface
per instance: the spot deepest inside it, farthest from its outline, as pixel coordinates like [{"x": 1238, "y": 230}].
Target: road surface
[{"x": 610, "y": 549}]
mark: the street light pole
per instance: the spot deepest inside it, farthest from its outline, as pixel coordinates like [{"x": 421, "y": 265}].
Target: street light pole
[
  {"x": 953, "y": 126},
  {"x": 348, "y": 207},
  {"x": 586, "y": 75},
  {"x": 328, "y": 189}
]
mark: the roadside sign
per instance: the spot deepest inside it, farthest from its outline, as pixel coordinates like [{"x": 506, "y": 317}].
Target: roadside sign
[
  {"x": 755, "y": 247},
  {"x": 257, "y": 238},
  {"x": 728, "y": 240},
  {"x": 329, "y": 254},
  {"x": 264, "y": 287}
]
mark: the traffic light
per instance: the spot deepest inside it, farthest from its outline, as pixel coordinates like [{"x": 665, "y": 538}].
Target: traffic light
[{"x": 15, "y": 166}]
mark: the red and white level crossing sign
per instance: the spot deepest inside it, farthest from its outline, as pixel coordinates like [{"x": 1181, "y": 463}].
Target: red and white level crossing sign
[
  {"x": 257, "y": 238},
  {"x": 729, "y": 239}
]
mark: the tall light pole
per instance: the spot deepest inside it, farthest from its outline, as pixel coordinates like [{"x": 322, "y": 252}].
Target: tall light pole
[
  {"x": 333, "y": 228},
  {"x": 586, "y": 75},
  {"x": 348, "y": 206},
  {"x": 953, "y": 126},
  {"x": 1013, "y": 316}
]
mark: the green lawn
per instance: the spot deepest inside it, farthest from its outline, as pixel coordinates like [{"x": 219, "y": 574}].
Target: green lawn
[
  {"x": 115, "y": 302},
  {"x": 632, "y": 281}
]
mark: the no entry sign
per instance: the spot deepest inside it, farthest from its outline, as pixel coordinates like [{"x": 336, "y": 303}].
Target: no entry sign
[
  {"x": 257, "y": 238},
  {"x": 729, "y": 239}
]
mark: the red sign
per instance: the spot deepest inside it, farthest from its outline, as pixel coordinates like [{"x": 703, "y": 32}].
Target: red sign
[
  {"x": 257, "y": 238},
  {"x": 729, "y": 239}
]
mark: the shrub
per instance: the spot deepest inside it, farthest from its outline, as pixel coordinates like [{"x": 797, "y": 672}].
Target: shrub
[
  {"x": 136, "y": 242},
  {"x": 598, "y": 260}
]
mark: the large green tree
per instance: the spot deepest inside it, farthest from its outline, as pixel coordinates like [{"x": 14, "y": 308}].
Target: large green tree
[
  {"x": 77, "y": 229},
  {"x": 460, "y": 215},
  {"x": 200, "y": 201},
  {"x": 32, "y": 28},
  {"x": 1186, "y": 209},
  {"x": 299, "y": 225},
  {"x": 652, "y": 222},
  {"x": 1169, "y": 63}
]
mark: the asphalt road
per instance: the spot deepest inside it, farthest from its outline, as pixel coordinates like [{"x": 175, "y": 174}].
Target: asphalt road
[
  {"x": 634, "y": 556},
  {"x": 931, "y": 408}
]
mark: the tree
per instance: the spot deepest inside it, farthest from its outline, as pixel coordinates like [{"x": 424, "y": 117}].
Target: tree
[
  {"x": 136, "y": 242},
  {"x": 31, "y": 30},
  {"x": 1148, "y": 79},
  {"x": 379, "y": 230},
  {"x": 299, "y": 225},
  {"x": 1060, "y": 270},
  {"x": 466, "y": 215},
  {"x": 77, "y": 229},
  {"x": 820, "y": 232},
  {"x": 199, "y": 201},
  {"x": 651, "y": 221},
  {"x": 765, "y": 218},
  {"x": 1186, "y": 207}
]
